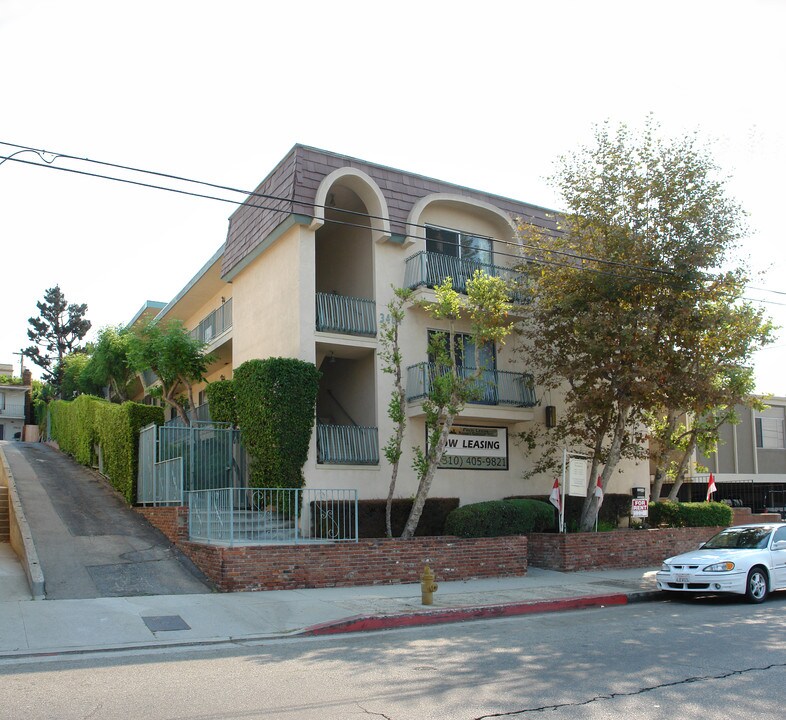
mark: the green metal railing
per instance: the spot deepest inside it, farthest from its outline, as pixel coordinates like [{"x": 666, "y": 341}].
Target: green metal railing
[
  {"x": 495, "y": 387},
  {"x": 347, "y": 445},
  {"x": 346, "y": 315},
  {"x": 427, "y": 269},
  {"x": 214, "y": 324},
  {"x": 236, "y": 516}
]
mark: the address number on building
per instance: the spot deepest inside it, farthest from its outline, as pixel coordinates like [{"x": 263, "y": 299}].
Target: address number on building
[{"x": 476, "y": 448}]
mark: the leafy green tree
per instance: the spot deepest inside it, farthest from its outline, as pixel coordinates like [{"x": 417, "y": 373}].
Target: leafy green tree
[
  {"x": 56, "y": 332},
  {"x": 74, "y": 378},
  {"x": 637, "y": 306},
  {"x": 110, "y": 364},
  {"x": 390, "y": 354},
  {"x": 451, "y": 386},
  {"x": 175, "y": 357}
]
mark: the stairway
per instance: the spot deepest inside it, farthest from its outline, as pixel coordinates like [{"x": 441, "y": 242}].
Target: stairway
[{"x": 5, "y": 523}]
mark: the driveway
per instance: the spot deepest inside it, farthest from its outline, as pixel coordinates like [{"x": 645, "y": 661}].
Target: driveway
[{"x": 89, "y": 543}]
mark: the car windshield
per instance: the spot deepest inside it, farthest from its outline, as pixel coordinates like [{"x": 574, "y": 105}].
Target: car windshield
[{"x": 742, "y": 538}]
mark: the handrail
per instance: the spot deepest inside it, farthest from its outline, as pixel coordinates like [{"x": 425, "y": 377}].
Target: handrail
[{"x": 345, "y": 315}]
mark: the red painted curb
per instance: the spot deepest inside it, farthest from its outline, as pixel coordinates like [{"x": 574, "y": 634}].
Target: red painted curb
[{"x": 363, "y": 623}]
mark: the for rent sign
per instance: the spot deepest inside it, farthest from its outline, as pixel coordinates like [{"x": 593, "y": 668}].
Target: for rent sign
[{"x": 476, "y": 448}]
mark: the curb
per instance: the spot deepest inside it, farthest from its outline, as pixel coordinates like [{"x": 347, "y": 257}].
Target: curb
[{"x": 366, "y": 623}]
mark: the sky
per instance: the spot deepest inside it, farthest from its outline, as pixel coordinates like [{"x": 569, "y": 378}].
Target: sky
[{"x": 486, "y": 95}]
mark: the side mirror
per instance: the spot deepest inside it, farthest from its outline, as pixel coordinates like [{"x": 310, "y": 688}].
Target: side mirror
[
  {"x": 779, "y": 545},
  {"x": 701, "y": 545}
]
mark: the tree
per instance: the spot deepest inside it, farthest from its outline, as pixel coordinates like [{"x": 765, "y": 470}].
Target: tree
[
  {"x": 74, "y": 378},
  {"x": 175, "y": 357},
  {"x": 451, "y": 386},
  {"x": 390, "y": 354},
  {"x": 58, "y": 330},
  {"x": 109, "y": 362},
  {"x": 634, "y": 310}
]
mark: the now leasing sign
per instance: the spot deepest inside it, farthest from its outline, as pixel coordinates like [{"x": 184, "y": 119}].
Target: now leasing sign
[{"x": 476, "y": 448}]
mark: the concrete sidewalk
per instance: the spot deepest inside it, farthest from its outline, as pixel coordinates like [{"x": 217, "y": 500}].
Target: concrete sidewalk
[{"x": 35, "y": 628}]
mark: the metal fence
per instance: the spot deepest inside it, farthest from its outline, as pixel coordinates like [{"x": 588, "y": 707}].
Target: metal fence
[
  {"x": 272, "y": 516},
  {"x": 176, "y": 458},
  {"x": 347, "y": 445},
  {"x": 760, "y": 496},
  {"x": 346, "y": 315}
]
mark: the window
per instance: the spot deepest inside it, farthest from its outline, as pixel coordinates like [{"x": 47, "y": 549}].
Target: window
[
  {"x": 2, "y": 401},
  {"x": 769, "y": 432},
  {"x": 465, "y": 350},
  {"x": 459, "y": 244}
]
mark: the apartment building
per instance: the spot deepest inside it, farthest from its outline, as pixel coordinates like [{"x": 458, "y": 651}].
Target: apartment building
[{"x": 307, "y": 270}]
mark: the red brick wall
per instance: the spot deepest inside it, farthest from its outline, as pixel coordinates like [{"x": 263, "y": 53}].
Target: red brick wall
[
  {"x": 172, "y": 521},
  {"x": 368, "y": 562},
  {"x": 612, "y": 550}
]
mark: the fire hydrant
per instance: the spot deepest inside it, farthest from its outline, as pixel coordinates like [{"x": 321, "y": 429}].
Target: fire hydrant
[{"x": 427, "y": 586}]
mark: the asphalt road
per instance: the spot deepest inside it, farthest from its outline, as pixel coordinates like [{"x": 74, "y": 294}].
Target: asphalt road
[
  {"x": 90, "y": 543},
  {"x": 708, "y": 659}
]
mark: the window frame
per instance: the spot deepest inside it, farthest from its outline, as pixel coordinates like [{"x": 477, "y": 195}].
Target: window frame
[
  {"x": 763, "y": 434},
  {"x": 459, "y": 244}
]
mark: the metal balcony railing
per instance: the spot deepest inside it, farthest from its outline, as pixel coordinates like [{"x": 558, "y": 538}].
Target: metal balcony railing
[
  {"x": 347, "y": 445},
  {"x": 12, "y": 410},
  {"x": 427, "y": 269},
  {"x": 495, "y": 387},
  {"x": 346, "y": 315},
  {"x": 214, "y": 324}
]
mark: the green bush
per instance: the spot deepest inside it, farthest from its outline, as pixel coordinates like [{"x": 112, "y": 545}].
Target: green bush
[
  {"x": 700, "y": 514},
  {"x": 276, "y": 403},
  {"x": 500, "y": 517},
  {"x": 81, "y": 425},
  {"x": 221, "y": 398},
  {"x": 615, "y": 507}
]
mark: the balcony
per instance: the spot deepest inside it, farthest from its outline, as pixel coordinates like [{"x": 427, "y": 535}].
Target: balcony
[
  {"x": 346, "y": 315},
  {"x": 12, "y": 410},
  {"x": 347, "y": 445},
  {"x": 427, "y": 269},
  {"x": 219, "y": 321},
  {"x": 496, "y": 387}
]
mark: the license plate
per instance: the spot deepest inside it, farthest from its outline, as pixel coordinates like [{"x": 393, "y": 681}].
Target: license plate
[{"x": 682, "y": 577}]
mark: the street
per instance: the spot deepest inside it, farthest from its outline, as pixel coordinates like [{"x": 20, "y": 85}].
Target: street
[{"x": 709, "y": 658}]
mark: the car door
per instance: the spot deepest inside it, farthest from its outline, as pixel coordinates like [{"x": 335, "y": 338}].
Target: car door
[{"x": 778, "y": 558}]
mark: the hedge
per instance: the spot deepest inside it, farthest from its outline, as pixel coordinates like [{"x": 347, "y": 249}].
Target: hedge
[
  {"x": 221, "y": 398},
  {"x": 276, "y": 402},
  {"x": 698, "y": 514},
  {"x": 500, "y": 517},
  {"x": 79, "y": 426},
  {"x": 615, "y": 506}
]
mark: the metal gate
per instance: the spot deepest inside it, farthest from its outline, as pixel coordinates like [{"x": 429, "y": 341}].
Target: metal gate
[{"x": 175, "y": 459}]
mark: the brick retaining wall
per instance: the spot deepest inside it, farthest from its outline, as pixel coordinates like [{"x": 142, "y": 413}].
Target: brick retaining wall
[
  {"x": 613, "y": 550},
  {"x": 368, "y": 562}
]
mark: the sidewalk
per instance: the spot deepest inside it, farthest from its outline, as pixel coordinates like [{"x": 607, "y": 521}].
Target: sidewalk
[{"x": 45, "y": 627}]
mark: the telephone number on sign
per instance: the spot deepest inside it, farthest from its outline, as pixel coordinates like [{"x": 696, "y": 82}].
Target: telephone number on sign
[{"x": 471, "y": 462}]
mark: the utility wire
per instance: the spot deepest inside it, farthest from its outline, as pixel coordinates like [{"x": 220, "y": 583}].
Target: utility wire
[{"x": 266, "y": 196}]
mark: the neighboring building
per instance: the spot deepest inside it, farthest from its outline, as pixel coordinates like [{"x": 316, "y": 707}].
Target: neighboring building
[
  {"x": 750, "y": 463},
  {"x": 14, "y": 401},
  {"x": 308, "y": 269}
]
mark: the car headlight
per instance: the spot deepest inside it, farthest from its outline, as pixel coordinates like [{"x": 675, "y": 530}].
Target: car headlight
[
  {"x": 720, "y": 567},
  {"x": 665, "y": 568}
]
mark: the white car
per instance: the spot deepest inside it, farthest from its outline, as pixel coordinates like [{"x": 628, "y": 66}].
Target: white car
[{"x": 747, "y": 559}]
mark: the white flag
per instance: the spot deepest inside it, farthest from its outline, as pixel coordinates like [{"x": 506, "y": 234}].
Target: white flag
[
  {"x": 711, "y": 487},
  {"x": 599, "y": 492},
  {"x": 555, "y": 498}
]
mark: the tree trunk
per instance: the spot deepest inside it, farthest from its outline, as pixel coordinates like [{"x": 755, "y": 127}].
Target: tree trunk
[
  {"x": 401, "y": 426},
  {"x": 680, "y": 474},
  {"x": 589, "y": 512},
  {"x": 424, "y": 487}
]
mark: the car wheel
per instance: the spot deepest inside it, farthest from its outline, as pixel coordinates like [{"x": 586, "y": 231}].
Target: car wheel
[{"x": 758, "y": 585}]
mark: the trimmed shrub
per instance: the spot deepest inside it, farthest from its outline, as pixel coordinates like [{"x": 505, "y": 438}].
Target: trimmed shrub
[
  {"x": 276, "y": 404},
  {"x": 699, "y": 514},
  {"x": 221, "y": 398},
  {"x": 500, "y": 517},
  {"x": 118, "y": 433},
  {"x": 615, "y": 507},
  {"x": 81, "y": 425}
]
